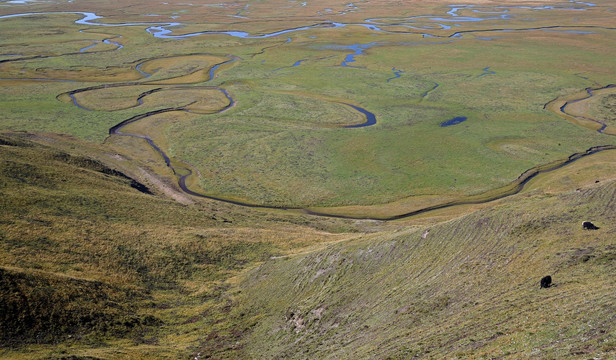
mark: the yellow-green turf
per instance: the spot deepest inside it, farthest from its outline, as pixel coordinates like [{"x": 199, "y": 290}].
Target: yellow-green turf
[{"x": 103, "y": 256}]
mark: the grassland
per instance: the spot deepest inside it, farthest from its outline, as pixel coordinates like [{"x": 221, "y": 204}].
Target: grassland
[
  {"x": 467, "y": 288},
  {"x": 104, "y": 256},
  {"x": 601, "y": 108},
  {"x": 283, "y": 143},
  {"x": 109, "y": 271}
]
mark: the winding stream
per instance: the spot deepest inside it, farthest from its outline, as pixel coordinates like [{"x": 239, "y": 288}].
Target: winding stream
[
  {"x": 350, "y": 58},
  {"x": 397, "y": 74},
  {"x": 589, "y": 94},
  {"x": 436, "y": 85},
  {"x": 183, "y": 172},
  {"x": 163, "y": 30},
  {"x": 486, "y": 71},
  {"x": 88, "y": 47},
  {"x": 505, "y": 191},
  {"x": 105, "y": 41},
  {"x": 76, "y": 103},
  {"x": 508, "y": 190},
  {"x": 370, "y": 117},
  {"x": 145, "y": 74}
]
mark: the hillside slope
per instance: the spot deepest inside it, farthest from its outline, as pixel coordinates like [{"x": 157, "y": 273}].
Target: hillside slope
[
  {"x": 465, "y": 288},
  {"x": 96, "y": 264}
]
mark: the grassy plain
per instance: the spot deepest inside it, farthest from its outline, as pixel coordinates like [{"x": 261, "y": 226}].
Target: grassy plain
[{"x": 283, "y": 143}]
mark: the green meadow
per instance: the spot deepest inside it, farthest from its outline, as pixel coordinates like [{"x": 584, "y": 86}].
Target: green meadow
[
  {"x": 284, "y": 141},
  {"x": 193, "y": 179},
  {"x": 294, "y": 149}
]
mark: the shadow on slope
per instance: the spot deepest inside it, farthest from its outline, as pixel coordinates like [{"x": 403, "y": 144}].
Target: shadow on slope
[{"x": 36, "y": 307}]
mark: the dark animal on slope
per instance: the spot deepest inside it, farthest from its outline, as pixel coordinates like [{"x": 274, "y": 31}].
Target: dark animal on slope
[
  {"x": 546, "y": 281},
  {"x": 587, "y": 225}
]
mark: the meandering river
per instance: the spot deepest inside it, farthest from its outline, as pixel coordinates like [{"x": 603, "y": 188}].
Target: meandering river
[{"x": 166, "y": 30}]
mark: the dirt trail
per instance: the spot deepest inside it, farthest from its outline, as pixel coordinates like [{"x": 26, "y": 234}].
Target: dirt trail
[{"x": 167, "y": 189}]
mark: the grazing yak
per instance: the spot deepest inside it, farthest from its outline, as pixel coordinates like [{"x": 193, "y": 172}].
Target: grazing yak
[
  {"x": 546, "y": 281},
  {"x": 587, "y": 225}
]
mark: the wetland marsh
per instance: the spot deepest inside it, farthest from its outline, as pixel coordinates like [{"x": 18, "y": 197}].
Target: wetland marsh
[{"x": 268, "y": 107}]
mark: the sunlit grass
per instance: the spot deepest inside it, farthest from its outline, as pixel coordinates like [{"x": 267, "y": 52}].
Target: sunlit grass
[{"x": 93, "y": 267}]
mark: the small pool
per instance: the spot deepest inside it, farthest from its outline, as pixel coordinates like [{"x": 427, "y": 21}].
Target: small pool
[{"x": 455, "y": 121}]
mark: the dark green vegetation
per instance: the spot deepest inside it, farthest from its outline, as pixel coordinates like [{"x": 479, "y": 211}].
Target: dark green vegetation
[
  {"x": 39, "y": 307},
  {"x": 103, "y": 256}
]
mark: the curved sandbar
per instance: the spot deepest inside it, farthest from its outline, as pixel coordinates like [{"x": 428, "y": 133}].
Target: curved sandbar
[
  {"x": 167, "y": 68},
  {"x": 69, "y": 96}
]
